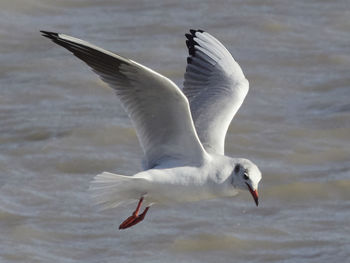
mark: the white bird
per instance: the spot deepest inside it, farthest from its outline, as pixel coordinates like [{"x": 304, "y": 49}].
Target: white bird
[{"x": 182, "y": 132}]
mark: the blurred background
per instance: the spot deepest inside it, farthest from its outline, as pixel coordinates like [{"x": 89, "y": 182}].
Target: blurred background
[{"x": 60, "y": 126}]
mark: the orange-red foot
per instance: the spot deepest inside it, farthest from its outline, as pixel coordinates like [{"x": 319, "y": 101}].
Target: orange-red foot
[{"x": 135, "y": 217}]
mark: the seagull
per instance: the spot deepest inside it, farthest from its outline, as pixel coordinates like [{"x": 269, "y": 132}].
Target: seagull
[{"x": 181, "y": 131}]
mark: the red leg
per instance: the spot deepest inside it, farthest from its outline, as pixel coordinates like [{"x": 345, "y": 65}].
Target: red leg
[
  {"x": 134, "y": 218},
  {"x": 137, "y": 210}
]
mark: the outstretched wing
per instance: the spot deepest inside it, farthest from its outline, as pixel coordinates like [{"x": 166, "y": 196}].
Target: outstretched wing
[
  {"x": 157, "y": 107},
  {"x": 215, "y": 87}
]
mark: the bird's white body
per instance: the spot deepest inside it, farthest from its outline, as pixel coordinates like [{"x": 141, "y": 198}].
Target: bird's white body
[
  {"x": 172, "y": 182},
  {"x": 182, "y": 131},
  {"x": 190, "y": 183}
]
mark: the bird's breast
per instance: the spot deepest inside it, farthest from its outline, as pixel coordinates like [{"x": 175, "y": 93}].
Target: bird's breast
[{"x": 185, "y": 184}]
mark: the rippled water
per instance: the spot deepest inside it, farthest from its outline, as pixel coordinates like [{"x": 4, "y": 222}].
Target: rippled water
[{"x": 60, "y": 125}]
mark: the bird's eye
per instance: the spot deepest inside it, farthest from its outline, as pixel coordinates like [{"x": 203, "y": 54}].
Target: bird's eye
[
  {"x": 237, "y": 168},
  {"x": 245, "y": 176}
]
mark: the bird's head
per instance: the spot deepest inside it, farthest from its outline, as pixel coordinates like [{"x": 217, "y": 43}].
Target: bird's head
[{"x": 246, "y": 175}]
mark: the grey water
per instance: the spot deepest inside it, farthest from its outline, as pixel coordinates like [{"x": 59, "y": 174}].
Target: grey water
[{"x": 60, "y": 126}]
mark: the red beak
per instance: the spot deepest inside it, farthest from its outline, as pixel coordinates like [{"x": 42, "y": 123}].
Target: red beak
[{"x": 254, "y": 194}]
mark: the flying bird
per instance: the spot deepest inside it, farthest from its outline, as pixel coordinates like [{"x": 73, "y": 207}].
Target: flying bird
[{"x": 181, "y": 131}]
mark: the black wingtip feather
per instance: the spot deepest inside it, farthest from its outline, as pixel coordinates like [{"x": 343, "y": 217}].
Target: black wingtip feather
[
  {"x": 191, "y": 43},
  {"x": 51, "y": 35},
  {"x": 188, "y": 44},
  {"x": 194, "y": 31},
  {"x": 188, "y": 36},
  {"x": 191, "y": 51}
]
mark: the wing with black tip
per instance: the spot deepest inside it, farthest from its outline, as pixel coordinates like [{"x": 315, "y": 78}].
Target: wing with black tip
[
  {"x": 157, "y": 107},
  {"x": 215, "y": 87}
]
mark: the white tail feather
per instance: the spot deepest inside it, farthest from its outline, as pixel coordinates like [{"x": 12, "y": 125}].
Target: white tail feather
[{"x": 110, "y": 190}]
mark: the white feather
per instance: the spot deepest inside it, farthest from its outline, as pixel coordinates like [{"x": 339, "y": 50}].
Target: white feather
[{"x": 109, "y": 190}]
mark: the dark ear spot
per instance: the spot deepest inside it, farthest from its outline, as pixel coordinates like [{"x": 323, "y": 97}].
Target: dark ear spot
[
  {"x": 245, "y": 176},
  {"x": 237, "y": 168}
]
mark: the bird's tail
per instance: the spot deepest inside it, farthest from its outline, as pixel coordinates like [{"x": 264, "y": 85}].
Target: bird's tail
[{"x": 110, "y": 190}]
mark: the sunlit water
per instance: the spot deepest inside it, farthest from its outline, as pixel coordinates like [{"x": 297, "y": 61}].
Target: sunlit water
[{"x": 60, "y": 126}]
